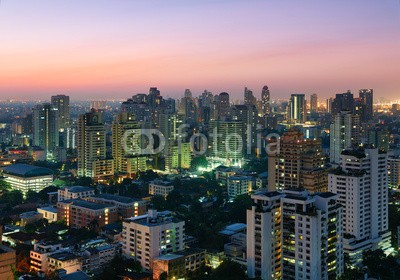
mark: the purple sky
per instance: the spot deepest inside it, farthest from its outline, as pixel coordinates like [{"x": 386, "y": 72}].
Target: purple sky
[{"x": 115, "y": 48}]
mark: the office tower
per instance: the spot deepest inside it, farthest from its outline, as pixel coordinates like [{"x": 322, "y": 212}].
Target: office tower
[
  {"x": 149, "y": 236},
  {"x": 265, "y": 101},
  {"x": 314, "y": 103},
  {"x": 45, "y": 128},
  {"x": 367, "y": 98},
  {"x": 188, "y": 109},
  {"x": 61, "y": 102},
  {"x": 329, "y": 103},
  {"x": 298, "y": 111},
  {"x": 227, "y": 138},
  {"x": 127, "y": 144},
  {"x": 249, "y": 98},
  {"x": 378, "y": 136},
  {"x": 223, "y": 106},
  {"x": 294, "y": 235},
  {"x": 343, "y": 102},
  {"x": 188, "y": 93},
  {"x": 179, "y": 156},
  {"x": 248, "y": 115},
  {"x": 394, "y": 171},
  {"x": 345, "y": 133},
  {"x": 298, "y": 163},
  {"x": 361, "y": 184},
  {"x": 92, "y": 160}
]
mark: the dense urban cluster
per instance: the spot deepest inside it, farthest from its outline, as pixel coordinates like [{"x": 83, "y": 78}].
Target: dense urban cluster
[{"x": 201, "y": 187}]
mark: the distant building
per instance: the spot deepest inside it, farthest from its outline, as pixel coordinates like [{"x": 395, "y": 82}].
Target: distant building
[
  {"x": 24, "y": 177},
  {"x": 238, "y": 185},
  {"x": 79, "y": 213},
  {"x": 265, "y": 101},
  {"x": 61, "y": 102},
  {"x": 394, "y": 171},
  {"x": 314, "y": 103},
  {"x": 367, "y": 98},
  {"x": 294, "y": 235},
  {"x": 223, "y": 107},
  {"x": 298, "y": 112},
  {"x": 149, "y": 236},
  {"x": 343, "y": 102},
  {"x": 74, "y": 192}
]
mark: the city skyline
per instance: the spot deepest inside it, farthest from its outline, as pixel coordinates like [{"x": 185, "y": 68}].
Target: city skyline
[{"x": 95, "y": 50}]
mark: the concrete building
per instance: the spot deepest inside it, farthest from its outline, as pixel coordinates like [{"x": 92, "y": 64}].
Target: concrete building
[
  {"x": 127, "y": 207},
  {"x": 61, "y": 102},
  {"x": 344, "y": 134},
  {"x": 362, "y": 187},
  {"x": 64, "y": 260},
  {"x": 171, "y": 264},
  {"x": 238, "y": 185},
  {"x": 7, "y": 263},
  {"x": 92, "y": 159},
  {"x": 367, "y": 98},
  {"x": 294, "y": 235},
  {"x": 159, "y": 187},
  {"x": 152, "y": 235},
  {"x": 29, "y": 217},
  {"x": 24, "y": 177},
  {"x": 74, "y": 192},
  {"x": 265, "y": 101},
  {"x": 298, "y": 111},
  {"x": 394, "y": 171},
  {"x": 126, "y": 145},
  {"x": 314, "y": 103},
  {"x": 297, "y": 163},
  {"x": 49, "y": 213},
  {"x": 80, "y": 213},
  {"x": 38, "y": 256}
]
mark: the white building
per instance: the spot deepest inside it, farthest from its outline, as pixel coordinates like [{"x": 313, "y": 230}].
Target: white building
[
  {"x": 238, "y": 185},
  {"x": 49, "y": 213},
  {"x": 24, "y": 177},
  {"x": 151, "y": 235},
  {"x": 64, "y": 260},
  {"x": 345, "y": 133},
  {"x": 294, "y": 235},
  {"x": 74, "y": 192},
  {"x": 362, "y": 185},
  {"x": 159, "y": 187},
  {"x": 394, "y": 171},
  {"x": 39, "y": 254}
]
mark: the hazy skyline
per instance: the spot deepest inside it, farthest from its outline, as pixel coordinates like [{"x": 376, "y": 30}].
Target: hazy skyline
[{"x": 114, "y": 49}]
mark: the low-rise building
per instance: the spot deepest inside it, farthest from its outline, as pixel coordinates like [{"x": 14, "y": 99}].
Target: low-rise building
[
  {"x": 24, "y": 177},
  {"x": 159, "y": 187},
  {"x": 39, "y": 254},
  {"x": 29, "y": 217},
  {"x": 238, "y": 185},
  {"x": 7, "y": 262},
  {"x": 64, "y": 260},
  {"x": 127, "y": 207},
  {"x": 74, "y": 192},
  {"x": 49, "y": 213},
  {"x": 79, "y": 213}
]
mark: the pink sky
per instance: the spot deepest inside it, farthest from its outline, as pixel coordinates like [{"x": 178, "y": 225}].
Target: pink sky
[{"x": 113, "y": 49}]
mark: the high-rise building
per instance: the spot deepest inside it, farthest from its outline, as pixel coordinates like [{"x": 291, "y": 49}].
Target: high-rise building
[
  {"x": 149, "y": 236},
  {"x": 298, "y": 163},
  {"x": 367, "y": 98},
  {"x": 314, "y": 103},
  {"x": 344, "y": 134},
  {"x": 92, "y": 159},
  {"x": 249, "y": 98},
  {"x": 45, "y": 128},
  {"x": 294, "y": 235},
  {"x": 61, "y": 102},
  {"x": 223, "y": 107},
  {"x": 126, "y": 145},
  {"x": 394, "y": 171},
  {"x": 362, "y": 187},
  {"x": 248, "y": 115},
  {"x": 227, "y": 141},
  {"x": 329, "y": 103},
  {"x": 265, "y": 101},
  {"x": 343, "y": 102},
  {"x": 297, "y": 112}
]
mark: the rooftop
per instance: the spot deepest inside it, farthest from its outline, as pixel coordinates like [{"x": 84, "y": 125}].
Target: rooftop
[
  {"x": 26, "y": 170},
  {"x": 118, "y": 198},
  {"x": 86, "y": 204},
  {"x": 77, "y": 189},
  {"x": 168, "y": 257},
  {"x": 63, "y": 256},
  {"x": 49, "y": 209}
]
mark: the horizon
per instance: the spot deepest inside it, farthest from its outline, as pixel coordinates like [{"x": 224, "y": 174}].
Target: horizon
[{"x": 97, "y": 49}]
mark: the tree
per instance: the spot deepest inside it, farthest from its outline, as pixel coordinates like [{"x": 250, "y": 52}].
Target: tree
[
  {"x": 199, "y": 162},
  {"x": 13, "y": 198},
  {"x": 228, "y": 270}
]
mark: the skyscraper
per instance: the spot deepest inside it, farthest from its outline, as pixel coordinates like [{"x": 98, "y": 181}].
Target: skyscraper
[
  {"x": 299, "y": 163},
  {"x": 362, "y": 186},
  {"x": 45, "y": 127},
  {"x": 343, "y": 102},
  {"x": 294, "y": 235},
  {"x": 126, "y": 144},
  {"x": 265, "y": 101},
  {"x": 367, "y": 98},
  {"x": 92, "y": 160},
  {"x": 298, "y": 111},
  {"x": 249, "y": 98},
  {"x": 223, "y": 106},
  {"x": 61, "y": 102},
  {"x": 345, "y": 133},
  {"x": 314, "y": 103}
]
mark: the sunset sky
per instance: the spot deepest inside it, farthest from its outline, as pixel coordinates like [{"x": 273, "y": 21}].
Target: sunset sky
[{"x": 95, "y": 49}]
